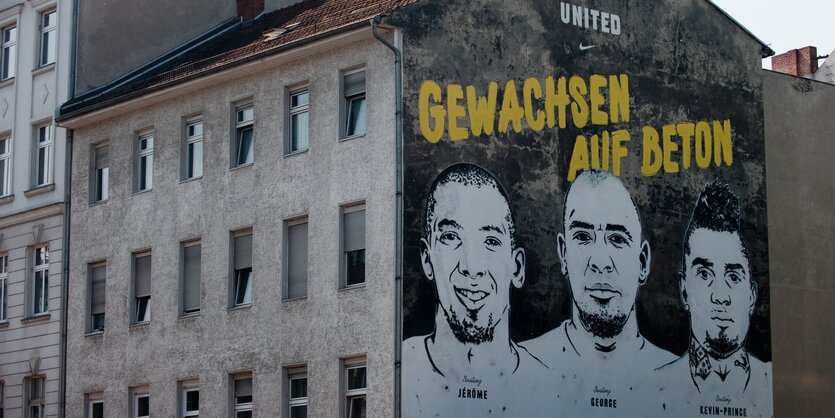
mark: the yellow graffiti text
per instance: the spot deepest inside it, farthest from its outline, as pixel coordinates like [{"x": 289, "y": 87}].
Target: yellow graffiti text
[
  {"x": 676, "y": 147},
  {"x": 598, "y": 152}
]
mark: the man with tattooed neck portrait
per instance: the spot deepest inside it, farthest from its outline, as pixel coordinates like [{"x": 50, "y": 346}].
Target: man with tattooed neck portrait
[
  {"x": 598, "y": 356},
  {"x": 469, "y": 366},
  {"x": 720, "y": 294}
]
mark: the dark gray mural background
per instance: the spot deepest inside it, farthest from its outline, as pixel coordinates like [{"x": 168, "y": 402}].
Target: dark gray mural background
[{"x": 685, "y": 62}]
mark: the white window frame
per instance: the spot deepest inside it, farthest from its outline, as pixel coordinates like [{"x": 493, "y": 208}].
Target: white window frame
[
  {"x": 243, "y": 122},
  {"x": 6, "y": 159},
  {"x": 237, "y": 274},
  {"x": 355, "y": 393},
  {"x": 296, "y": 374},
  {"x": 101, "y": 175},
  {"x": 4, "y": 275},
  {"x": 44, "y": 138},
  {"x": 185, "y": 388},
  {"x": 94, "y": 399},
  {"x": 9, "y": 51},
  {"x": 136, "y": 397},
  {"x": 296, "y": 111},
  {"x": 35, "y": 404},
  {"x": 343, "y": 257},
  {"x": 183, "y": 286},
  {"x": 193, "y": 138},
  {"x": 348, "y": 103},
  {"x": 137, "y": 301},
  {"x": 245, "y": 406},
  {"x": 91, "y": 267},
  {"x": 144, "y": 157},
  {"x": 40, "y": 272},
  {"x": 48, "y": 38}
]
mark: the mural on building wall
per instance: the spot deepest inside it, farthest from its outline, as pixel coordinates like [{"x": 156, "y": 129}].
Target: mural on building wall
[{"x": 585, "y": 224}]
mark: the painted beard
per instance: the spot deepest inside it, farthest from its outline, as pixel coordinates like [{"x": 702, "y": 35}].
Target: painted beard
[
  {"x": 602, "y": 323},
  {"x": 466, "y": 330},
  {"x": 721, "y": 346}
]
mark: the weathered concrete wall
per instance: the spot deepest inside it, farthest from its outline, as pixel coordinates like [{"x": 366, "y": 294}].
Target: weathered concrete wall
[
  {"x": 163, "y": 27},
  {"x": 799, "y": 129},
  {"x": 328, "y": 325}
]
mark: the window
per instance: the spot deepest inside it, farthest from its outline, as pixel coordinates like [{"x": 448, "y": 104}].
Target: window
[
  {"x": 2, "y": 398},
  {"x": 189, "y": 399},
  {"x": 242, "y": 268},
  {"x": 299, "y": 120},
  {"x": 35, "y": 396},
  {"x": 355, "y": 390},
  {"x": 5, "y": 166},
  {"x": 4, "y": 275},
  {"x": 190, "y": 273},
  {"x": 141, "y": 405},
  {"x": 100, "y": 175},
  {"x": 9, "y": 59},
  {"x": 43, "y": 158},
  {"x": 297, "y": 399},
  {"x": 142, "y": 287},
  {"x": 97, "y": 292},
  {"x": 49, "y": 22},
  {"x": 193, "y": 163},
  {"x": 353, "y": 245},
  {"x": 353, "y": 85},
  {"x": 296, "y": 259},
  {"x": 40, "y": 281},
  {"x": 243, "y": 153},
  {"x": 144, "y": 178},
  {"x": 95, "y": 405},
  {"x": 243, "y": 396}
]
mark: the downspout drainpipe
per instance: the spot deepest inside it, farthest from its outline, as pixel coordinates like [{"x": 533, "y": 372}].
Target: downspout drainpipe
[
  {"x": 398, "y": 244},
  {"x": 65, "y": 277}
]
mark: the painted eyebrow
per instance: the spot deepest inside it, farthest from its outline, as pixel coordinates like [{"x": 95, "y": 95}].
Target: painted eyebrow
[
  {"x": 702, "y": 262},
  {"x": 618, "y": 228},
  {"x": 493, "y": 228},
  {"x": 443, "y": 223},
  {"x": 734, "y": 266},
  {"x": 580, "y": 224}
]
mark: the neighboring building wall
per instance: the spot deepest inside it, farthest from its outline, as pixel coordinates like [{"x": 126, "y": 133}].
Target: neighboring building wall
[
  {"x": 137, "y": 41},
  {"x": 826, "y": 72},
  {"x": 329, "y": 324},
  {"x": 799, "y": 153},
  {"x": 31, "y": 215}
]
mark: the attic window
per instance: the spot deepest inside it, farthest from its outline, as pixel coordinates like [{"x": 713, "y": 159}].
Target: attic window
[{"x": 272, "y": 34}]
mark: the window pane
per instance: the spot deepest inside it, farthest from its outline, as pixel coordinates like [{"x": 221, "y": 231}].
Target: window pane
[
  {"x": 299, "y": 131},
  {"x": 356, "y": 116},
  {"x": 195, "y": 159},
  {"x": 297, "y": 256},
  {"x": 355, "y": 269},
  {"x": 246, "y": 114},
  {"x": 98, "y": 322},
  {"x": 192, "y": 401},
  {"x": 356, "y": 378},
  {"x": 43, "y": 155},
  {"x": 98, "y": 410},
  {"x": 245, "y": 152},
  {"x": 243, "y": 414},
  {"x": 191, "y": 279},
  {"x": 40, "y": 292},
  {"x": 298, "y": 388},
  {"x": 3, "y": 190},
  {"x": 143, "y": 406},
  {"x": 298, "y": 411},
  {"x": 300, "y": 99},
  {"x": 243, "y": 293},
  {"x": 357, "y": 409}
]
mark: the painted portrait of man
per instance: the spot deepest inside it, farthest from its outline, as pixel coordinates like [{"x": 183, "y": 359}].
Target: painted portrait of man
[
  {"x": 720, "y": 294},
  {"x": 468, "y": 366},
  {"x": 598, "y": 356}
]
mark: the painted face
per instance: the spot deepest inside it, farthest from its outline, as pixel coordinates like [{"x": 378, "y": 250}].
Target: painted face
[
  {"x": 602, "y": 254},
  {"x": 470, "y": 257},
  {"x": 717, "y": 290}
]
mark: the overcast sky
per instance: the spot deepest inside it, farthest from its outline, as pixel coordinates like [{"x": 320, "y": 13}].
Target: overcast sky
[{"x": 786, "y": 25}]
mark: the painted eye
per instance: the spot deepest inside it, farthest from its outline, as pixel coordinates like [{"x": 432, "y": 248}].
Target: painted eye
[
  {"x": 492, "y": 242},
  {"x": 583, "y": 236},
  {"x": 734, "y": 277},
  {"x": 449, "y": 238},
  {"x": 618, "y": 240},
  {"x": 704, "y": 274}
]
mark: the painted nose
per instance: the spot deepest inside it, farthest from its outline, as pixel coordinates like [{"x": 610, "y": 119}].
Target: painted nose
[
  {"x": 601, "y": 264},
  {"x": 720, "y": 297},
  {"x": 470, "y": 266}
]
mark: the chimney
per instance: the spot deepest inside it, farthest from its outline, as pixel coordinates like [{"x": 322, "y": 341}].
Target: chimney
[
  {"x": 248, "y": 9},
  {"x": 801, "y": 62}
]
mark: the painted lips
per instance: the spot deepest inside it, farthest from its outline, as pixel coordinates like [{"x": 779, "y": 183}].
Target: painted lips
[
  {"x": 602, "y": 291},
  {"x": 470, "y": 298}
]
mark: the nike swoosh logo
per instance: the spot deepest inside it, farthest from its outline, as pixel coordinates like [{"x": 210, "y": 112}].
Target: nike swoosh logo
[{"x": 586, "y": 47}]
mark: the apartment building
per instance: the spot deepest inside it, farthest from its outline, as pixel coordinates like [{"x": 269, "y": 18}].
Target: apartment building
[
  {"x": 34, "y": 74},
  {"x": 232, "y": 230}
]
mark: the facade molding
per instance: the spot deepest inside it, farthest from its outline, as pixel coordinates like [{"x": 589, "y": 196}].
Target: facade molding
[{"x": 33, "y": 215}]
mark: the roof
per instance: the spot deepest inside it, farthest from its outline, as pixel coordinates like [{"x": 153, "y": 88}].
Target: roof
[
  {"x": 223, "y": 47},
  {"x": 765, "y": 50}
]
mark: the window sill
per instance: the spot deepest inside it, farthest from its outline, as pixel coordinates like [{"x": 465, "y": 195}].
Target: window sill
[
  {"x": 6, "y": 199},
  {"x": 7, "y": 82},
  {"x": 352, "y": 287},
  {"x": 348, "y": 138},
  {"x": 97, "y": 203},
  {"x": 294, "y": 153},
  {"x": 237, "y": 167},
  {"x": 139, "y": 325},
  {"x": 43, "y": 69},
  {"x": 296, "y": 299},
  {"x": 46, "y": 188},
  {"x": 141, "y": 191},
  {"x": 94, "y": 333},
  {"x": 239, "y": 307},
  {"x": 4, "y": 323},
  {"x": 190, "y": 179},
  {"x": 189, "y": 315},
  {"x": 35, "y": 319}
]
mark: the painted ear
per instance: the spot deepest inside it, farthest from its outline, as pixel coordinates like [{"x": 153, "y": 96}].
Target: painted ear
[
  {"x": 519, "y": 273},
  {"x": 426, "y": 260},
  {"x": 682, "y": 291},
  {"x": 645, "y": 257},
  {"x": 561, "y": 253},
  {"x": 754, "y": 292}
]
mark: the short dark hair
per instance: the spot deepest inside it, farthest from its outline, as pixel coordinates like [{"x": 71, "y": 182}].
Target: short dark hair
[
  {"x": 717, "y": 210},
  {"x": 468, "y": 175}
]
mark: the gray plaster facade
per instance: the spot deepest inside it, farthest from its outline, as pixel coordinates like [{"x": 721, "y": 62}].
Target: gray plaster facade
[
  {"x": 799, "y": 151},
  {"x": 318, "y": 332},
  {"x": 31, "y": 209}
]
